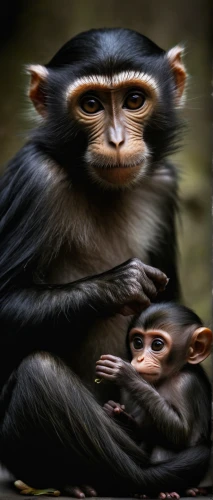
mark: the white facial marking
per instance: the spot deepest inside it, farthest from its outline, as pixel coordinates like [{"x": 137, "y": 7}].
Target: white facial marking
[{"x": 114, "y": 81}]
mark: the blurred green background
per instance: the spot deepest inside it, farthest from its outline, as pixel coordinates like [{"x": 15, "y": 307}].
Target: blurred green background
[{"x": 32, "y": 31}]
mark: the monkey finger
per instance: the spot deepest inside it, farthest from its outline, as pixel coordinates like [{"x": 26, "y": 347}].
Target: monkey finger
[
  {"x": 74, "y": 491},
  {"x": 141, "y": 301},
  {"x": 149, "y": 287},
  {"x": 193, "y": 492},
  {"x": 80, "y": 491},
  {"x": 105, "y": 370},
  {"x": 156, "y": 276},
  {"x": 106, "y": 375},
  {"x": 118, "y": 410},
  {"x": 108, "y": 409},
  {"x": 105, "y": 362},
  {"x": 88, "y": 490},
  {"x": 172, "y": 494},
  {"x": 112, "y": 404},
  {"x": 110, "y": 357},
  {"x": 110, "y": 412}
]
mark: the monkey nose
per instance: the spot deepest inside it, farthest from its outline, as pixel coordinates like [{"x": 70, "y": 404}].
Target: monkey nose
[
  {"x": 140, "y": 359},
  {"x": 116, "y": 136}
]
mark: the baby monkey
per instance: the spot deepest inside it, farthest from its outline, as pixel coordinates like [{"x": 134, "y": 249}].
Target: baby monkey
[{"x": 165, "y": 393}]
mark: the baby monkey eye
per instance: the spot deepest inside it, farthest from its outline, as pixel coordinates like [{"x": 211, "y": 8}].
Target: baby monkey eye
[
  {"x": 134, "y": 100},
  {"x": 137, "y": 342},
  {"x": 90, "y": 104},
  {"x": 157, "y": 345}
]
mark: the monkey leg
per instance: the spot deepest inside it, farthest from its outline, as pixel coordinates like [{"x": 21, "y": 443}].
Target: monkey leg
[
  {"x": 35, "y": 425},
  {"x": 53, "y": 432}
]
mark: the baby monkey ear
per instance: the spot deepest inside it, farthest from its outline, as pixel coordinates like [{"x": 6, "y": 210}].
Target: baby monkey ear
[
  {"x": 200, "y": 346},
  {"x": 174, "y": 57},
  {"x": 37, "y": 90}
]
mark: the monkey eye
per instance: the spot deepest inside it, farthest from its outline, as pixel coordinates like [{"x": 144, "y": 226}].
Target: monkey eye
[
  {"x": 137, "y": 342},
  {"x": 90, "y": 104},
  {"x": 134, "y": 100},
  {"x": 157, "y": 345}
]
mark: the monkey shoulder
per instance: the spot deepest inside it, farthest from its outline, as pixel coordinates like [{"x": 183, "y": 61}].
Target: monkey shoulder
[
  {"x": 190, "y": 375},
  {"x": 196, "y": 375},
  {"x": 189, "y": 389}
]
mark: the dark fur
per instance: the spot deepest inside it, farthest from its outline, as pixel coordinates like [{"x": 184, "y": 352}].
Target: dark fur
[{"x": 56, "y": 227}]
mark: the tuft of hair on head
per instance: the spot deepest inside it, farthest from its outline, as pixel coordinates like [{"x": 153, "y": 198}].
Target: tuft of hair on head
[{"x": 161, "y": 315}]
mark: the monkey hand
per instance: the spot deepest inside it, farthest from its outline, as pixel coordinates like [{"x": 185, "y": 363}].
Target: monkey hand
[
  {"x": 114, "y": 369},
  {"x": 132, "y": 286},
  {"x": 127, "y": 421},
  {"x": 113, "y": 409}
]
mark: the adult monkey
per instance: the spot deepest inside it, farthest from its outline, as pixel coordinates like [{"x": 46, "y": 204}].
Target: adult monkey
[{"x": 90, "y": 190}]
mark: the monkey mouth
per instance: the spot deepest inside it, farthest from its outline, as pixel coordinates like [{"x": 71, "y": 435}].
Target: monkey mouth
[
  {"x": 119, "y": 174},
  {"x": 119, "y": 165},
  {"x": 117, "y": 171}
]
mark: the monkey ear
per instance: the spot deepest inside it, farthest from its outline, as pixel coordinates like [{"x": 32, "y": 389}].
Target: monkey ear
[
  {"x": 174, "y": 57},
  {"x": 200, "y": 346},
  {"x": 37, "y": 95}
]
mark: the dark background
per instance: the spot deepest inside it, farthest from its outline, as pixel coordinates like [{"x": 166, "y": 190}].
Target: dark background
[{"x": 32, "y": 31}]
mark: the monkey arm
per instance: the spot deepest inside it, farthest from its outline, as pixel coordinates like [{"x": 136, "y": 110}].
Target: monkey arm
[
  {"x": 29, "y": 242},
  {"x": 173, "y": 422},
  {"x": 115, "y": 291},
  {"x": 171, "y": 416}
]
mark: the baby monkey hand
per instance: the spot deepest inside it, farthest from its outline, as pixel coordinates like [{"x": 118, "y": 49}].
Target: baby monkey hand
[
  {"x": 117, "y": 411},
  {"x": 113, "y": 409},
  {"x": 111, "y": 368}
]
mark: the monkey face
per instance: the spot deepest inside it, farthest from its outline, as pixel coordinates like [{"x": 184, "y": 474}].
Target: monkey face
[
  {"x": 108, "y": 123},
  {"x": 113, "y": 114},
  {"x": 150, "y": 353}
]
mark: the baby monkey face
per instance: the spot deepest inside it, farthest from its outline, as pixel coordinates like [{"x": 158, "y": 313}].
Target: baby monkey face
[{"x": 150, "y": 352}]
